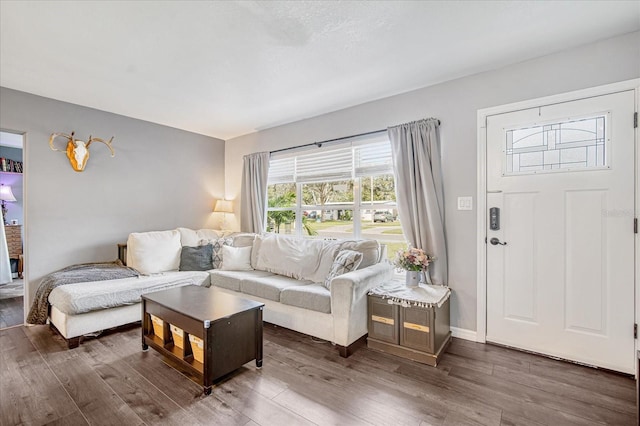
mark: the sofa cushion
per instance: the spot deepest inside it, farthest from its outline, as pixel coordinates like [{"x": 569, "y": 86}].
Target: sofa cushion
[
  {"x": 370, "y": 250},
  {"x": 231, "y": 279},
  {"x": 196, "y": 258},
  {"x": 255, "y": 251},
  {"x": 242, "y": 239},
  {"x": 314, "y": 297},
  {"x": 269, "y": 287},
  {"x": 328, "y": 253},
  {"x": 346, "y": 261},
  {"x": 236, "y": 258},
  {"x": 191, "y": 238},
  {"x": 154, "y": 252},
  {"x": 188, "y": 237},
  {"x": 209, "y": 234},
  {"x": 305, "y": 258},
  {"x": 297, "y": 258},
  {"x": 84, "y": 297}
]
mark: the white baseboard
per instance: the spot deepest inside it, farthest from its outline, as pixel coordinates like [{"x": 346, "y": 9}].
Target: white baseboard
[{"x": 463, "y": 333}]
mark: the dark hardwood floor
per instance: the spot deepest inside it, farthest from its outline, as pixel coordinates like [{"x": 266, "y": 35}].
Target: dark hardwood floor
[
  {"x": 110, "y": 381},
  {"x": 11, "y": 312}
]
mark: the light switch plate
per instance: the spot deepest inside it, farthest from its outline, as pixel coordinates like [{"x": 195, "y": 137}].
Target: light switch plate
[{"x": 465, "y": 203}]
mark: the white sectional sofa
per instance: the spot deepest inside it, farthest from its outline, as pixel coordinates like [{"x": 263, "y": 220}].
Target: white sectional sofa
[
  {"x": 289, "y": 275},
  {"x": 316, "y": 287},
  {"x": 88, "y": 308}
]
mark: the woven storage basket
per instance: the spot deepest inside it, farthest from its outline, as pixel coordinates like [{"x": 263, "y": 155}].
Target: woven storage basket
[
  {"x": 158, "y": 326},
  {"x": 197, "y": 346},
  {"x": 178, "y": 336}
]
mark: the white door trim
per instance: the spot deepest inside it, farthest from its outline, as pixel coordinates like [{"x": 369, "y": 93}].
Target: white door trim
[{"x": 481, "y": 246}]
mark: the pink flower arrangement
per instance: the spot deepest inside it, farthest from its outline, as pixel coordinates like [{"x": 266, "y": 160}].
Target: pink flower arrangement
[{"x": 412, "y": 259}]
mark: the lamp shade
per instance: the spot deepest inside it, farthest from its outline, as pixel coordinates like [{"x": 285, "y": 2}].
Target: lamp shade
[
  {"x": 6, "y": 194},
  {"x": 223, "y": 206}
]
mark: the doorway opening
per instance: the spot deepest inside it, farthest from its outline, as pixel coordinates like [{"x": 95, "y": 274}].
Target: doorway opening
[{"x": 12, "y": 233}]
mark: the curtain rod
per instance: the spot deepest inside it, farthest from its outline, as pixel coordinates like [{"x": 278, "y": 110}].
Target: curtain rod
[{"x": 319, "y": 144}]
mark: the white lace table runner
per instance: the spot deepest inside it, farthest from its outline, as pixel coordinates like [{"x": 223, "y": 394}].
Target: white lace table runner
[{"x": 424, "y": 296}]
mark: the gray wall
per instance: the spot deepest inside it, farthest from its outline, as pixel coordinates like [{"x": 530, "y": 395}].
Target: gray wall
[
  {"x": 160, "y": 178},
  {"x": 14, "y": 209},
  {"x": 456, "y": 104}
]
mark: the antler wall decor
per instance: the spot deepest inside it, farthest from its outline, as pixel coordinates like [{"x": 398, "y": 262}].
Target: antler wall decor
[{"x": 77, "y": 150}]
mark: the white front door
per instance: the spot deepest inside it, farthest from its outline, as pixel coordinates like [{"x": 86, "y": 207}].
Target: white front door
[{"x": 562, "y": 177}]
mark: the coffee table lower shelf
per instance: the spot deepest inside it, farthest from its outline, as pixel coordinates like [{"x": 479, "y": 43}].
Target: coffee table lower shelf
[{"x": 175, "y": 353}]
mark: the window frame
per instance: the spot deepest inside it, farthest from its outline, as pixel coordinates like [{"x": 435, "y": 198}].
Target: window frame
[{"x": 370, "y": 156}]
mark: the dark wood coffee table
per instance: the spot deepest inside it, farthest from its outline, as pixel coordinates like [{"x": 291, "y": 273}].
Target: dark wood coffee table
[{"x": 230, "y": 327}]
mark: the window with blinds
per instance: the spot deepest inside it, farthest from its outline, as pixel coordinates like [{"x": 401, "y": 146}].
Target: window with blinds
[
  {"x": 340, "y": 190},
  {"x": 357, "y": 157}
]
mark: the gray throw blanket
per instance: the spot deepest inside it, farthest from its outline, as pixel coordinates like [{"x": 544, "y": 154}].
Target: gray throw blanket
[{"x": 85, "y": 272}]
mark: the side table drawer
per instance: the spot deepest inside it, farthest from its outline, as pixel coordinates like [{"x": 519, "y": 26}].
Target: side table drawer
[
  {"x": 416, "y": 328},
  {"x": 383, "y": 320},
  {"x": 14, "y": 240}
]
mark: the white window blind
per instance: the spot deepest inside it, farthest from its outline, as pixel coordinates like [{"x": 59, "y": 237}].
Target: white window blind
[
  {"x": 373, "y": 159},
  {"x": 281, "y": 170},
  {"x": 358, "y": 157},
  {"x": 325, "y": 165}
]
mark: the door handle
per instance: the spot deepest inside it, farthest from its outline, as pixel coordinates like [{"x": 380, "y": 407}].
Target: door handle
[{"x": 495, "y": 241}]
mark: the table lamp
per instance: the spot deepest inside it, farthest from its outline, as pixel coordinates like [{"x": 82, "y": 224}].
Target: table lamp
[
  {"x": 224, "y": 207},
  {"x": 6, "y": 195}
]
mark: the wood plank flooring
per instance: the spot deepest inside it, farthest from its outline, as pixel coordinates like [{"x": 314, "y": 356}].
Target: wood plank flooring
[
  {"x": 11, "y": 312},
  {"x": 110, "y": 381}
]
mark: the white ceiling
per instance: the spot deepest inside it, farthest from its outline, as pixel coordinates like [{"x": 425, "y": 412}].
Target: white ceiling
[{"x": 229, "y": 68}]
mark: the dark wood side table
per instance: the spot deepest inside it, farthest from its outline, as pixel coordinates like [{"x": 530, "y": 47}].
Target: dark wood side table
[
  {"x": 13, "y": 234},
  {"x": 230, "y": 327},
  {"x": 418, "y": 330},
  {"x": 122, "y": 253}
]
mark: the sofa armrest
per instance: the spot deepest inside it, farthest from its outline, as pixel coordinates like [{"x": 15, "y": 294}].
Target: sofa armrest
[{"x": 349, "y": 300}]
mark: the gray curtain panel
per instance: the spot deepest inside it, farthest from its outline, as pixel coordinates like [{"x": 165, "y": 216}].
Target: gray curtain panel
[
  {"x": 415, "y": 150},
  {"x": 254, "y": 192}
]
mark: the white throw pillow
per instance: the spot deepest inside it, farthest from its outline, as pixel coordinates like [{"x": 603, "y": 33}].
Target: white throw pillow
[
  {"x": 236, "y": 258},
  {"x": 154, "y": 252}
]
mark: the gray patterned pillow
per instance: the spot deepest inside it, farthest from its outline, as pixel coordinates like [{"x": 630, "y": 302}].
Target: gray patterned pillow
[
  {"x": 196, "y": 258},
  {"x": 216, "y": 257},
  {"x": 345, "y": 261}
]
